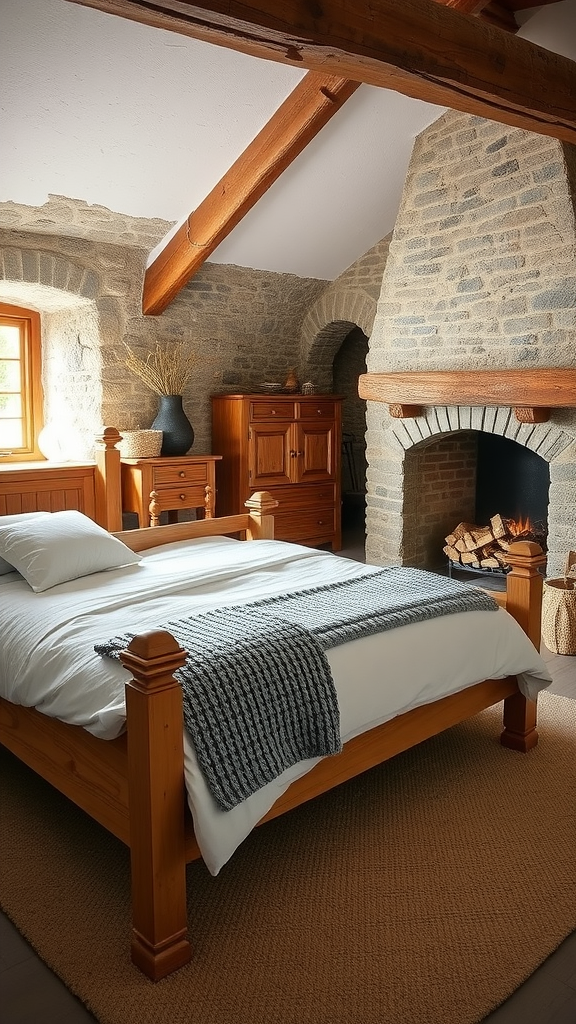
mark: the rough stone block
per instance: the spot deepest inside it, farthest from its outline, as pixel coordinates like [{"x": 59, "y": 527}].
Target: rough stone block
[
  {"x": 509, "y": 167},
  {"x": 563, "y": 295}
]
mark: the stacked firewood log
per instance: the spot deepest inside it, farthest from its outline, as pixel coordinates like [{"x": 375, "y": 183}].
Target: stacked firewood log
[{"x": 485, "y": 547}]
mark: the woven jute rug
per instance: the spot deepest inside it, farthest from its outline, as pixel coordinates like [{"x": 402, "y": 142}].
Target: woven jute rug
[{"x": 423, "y": 892}]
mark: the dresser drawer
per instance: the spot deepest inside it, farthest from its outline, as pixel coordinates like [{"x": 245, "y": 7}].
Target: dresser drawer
[
  {"x": 179, "y": 474},
  {"x": 300, "y": 498},
  {"x": 318, "y": 525},
  {"x": 321, "y": 409},
  {"x": 272, "y": 410}
]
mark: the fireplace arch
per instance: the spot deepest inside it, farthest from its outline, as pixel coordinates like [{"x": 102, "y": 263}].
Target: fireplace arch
[{"x": 422, "y": 473}]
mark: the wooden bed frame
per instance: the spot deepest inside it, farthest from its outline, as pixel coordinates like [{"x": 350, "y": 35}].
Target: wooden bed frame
[
  {"x": 93, "y": 488},
  {"x": 134, "y": 785}
]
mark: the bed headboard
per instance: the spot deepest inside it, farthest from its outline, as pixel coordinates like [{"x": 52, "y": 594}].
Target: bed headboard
[{"x": 89, "y": 487}]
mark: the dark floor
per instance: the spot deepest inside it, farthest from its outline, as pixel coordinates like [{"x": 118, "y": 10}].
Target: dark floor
[{"x": 31, "y": 994}]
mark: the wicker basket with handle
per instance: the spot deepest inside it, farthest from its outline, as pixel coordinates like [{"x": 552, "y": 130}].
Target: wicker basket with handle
[
  {"x": 559, "y": 610},
  {"x": 140, "y": 444}
]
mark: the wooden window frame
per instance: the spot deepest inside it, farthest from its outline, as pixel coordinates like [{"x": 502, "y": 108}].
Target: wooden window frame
[{"x": 31, "y": 382}]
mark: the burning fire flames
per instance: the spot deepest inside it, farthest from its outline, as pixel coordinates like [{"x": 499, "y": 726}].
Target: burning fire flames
[{"x": 520, "y": 527}]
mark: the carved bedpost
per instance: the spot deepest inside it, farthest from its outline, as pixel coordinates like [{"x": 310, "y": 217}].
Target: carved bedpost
[
  {"x": 524, "y": 587},
  {"x": 154, "y": 509},
  {"x": 157, "y": 803},
  {"x": 524, "y": 602},
  {"x": 260, "y": 505},
  {"x": 107, "y": 484}
]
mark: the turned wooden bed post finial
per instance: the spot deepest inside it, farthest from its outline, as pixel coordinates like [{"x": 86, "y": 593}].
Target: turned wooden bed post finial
[
  {"x": 524, "y": 602},
  {"x": 157, "y": 802},
  {"x": 107, "y": 488},
  {"x": 260, "y": 505}
]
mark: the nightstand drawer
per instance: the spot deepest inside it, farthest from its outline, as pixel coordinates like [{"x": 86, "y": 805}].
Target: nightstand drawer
[
  {"x": 179, "y": 474},
  {"x": 170, "y": 499}
]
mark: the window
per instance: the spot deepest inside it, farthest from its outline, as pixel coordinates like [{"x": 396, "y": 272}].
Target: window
[{"x": 20, "y": 383}]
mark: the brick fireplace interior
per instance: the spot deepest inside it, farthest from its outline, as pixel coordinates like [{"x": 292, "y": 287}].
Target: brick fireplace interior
[
  {"x": 514, "y": 481},
  {"x": 470, "y": 476}
]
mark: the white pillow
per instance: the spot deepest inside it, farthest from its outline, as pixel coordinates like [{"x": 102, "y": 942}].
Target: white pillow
[
  {"x": 5, "y": 566},
  {"x": 61, "y": 546}
]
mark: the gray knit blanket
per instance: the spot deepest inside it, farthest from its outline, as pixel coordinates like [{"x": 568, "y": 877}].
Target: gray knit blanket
[{"x": 258, "y": 692}]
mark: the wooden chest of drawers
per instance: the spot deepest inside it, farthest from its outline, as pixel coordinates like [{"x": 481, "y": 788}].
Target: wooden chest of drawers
[
  {"x": 288, "y": 445},
  {"x": 167, "y": 484}
]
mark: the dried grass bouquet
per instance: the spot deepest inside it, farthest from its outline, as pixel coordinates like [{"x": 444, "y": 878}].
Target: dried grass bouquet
[{"x": 166, "y": 370}]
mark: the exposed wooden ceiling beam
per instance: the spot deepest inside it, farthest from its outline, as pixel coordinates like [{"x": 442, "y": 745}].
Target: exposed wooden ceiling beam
[
  {"x": 525, "y": 5},
  {"x": 302, "y": 115},
  {"x": 251, "y": 175},
  {"x": 499, "y": 14},
  {"x": 417, "y": 47},
  {"x": 466, "y": 6}
]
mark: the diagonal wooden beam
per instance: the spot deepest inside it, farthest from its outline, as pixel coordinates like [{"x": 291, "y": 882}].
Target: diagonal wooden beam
[
  {"x": 245, "y": 182},
  {"x": 302, "y": 115},
  {"x": 417, "y": 47}
]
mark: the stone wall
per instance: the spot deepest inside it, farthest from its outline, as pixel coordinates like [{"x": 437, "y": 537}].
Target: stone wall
[
  {"x": 481, "y": 273},
  {"x": 82, "y": 267},
  {"x": 346, "y": 303},
  {"x": 74, "y": 218},
  {"x": 244, "y": 326},
  {"x": 334, "y": 344}
]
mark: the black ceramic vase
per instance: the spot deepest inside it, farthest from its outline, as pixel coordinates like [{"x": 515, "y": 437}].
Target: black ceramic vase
[{"x": 178, "y": 433}]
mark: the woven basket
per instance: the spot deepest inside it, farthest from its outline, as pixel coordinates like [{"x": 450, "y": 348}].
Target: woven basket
[
  {"x": 559, "y": 610},
  {"x": 140, "y": 444}
]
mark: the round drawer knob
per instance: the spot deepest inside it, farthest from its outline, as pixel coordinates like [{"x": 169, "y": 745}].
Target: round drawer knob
[
  {"x": 182, "y": 497},
  {"x": 273, "y": 412},
  {"x": 320, "y": 522},
  {"x": 182, "y": 473}
]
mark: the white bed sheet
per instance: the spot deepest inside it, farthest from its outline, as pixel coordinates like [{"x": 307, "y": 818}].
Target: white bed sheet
[{"x": 47, "y": 659}]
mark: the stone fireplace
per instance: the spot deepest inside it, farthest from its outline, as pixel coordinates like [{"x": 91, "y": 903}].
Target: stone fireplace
[
  {"x": 481, "y": 275},
  {"x": 429, "y": 482}
]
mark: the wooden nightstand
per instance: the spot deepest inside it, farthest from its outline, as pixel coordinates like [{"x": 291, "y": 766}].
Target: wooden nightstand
[{"x": 167, "y": 484}]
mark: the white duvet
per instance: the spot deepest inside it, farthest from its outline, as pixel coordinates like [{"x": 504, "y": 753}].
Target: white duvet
[{"x": 47, "y": 658}]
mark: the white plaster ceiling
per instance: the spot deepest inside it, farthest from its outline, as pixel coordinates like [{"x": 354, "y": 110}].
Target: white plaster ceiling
[{"x": 145, "y": 122}]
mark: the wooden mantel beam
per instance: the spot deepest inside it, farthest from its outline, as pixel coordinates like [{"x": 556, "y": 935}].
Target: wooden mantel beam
[
  {"x": 302, "y": 115},
  {"x": 532, "y": 393},
  {"x": 417, "y": 47}
]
